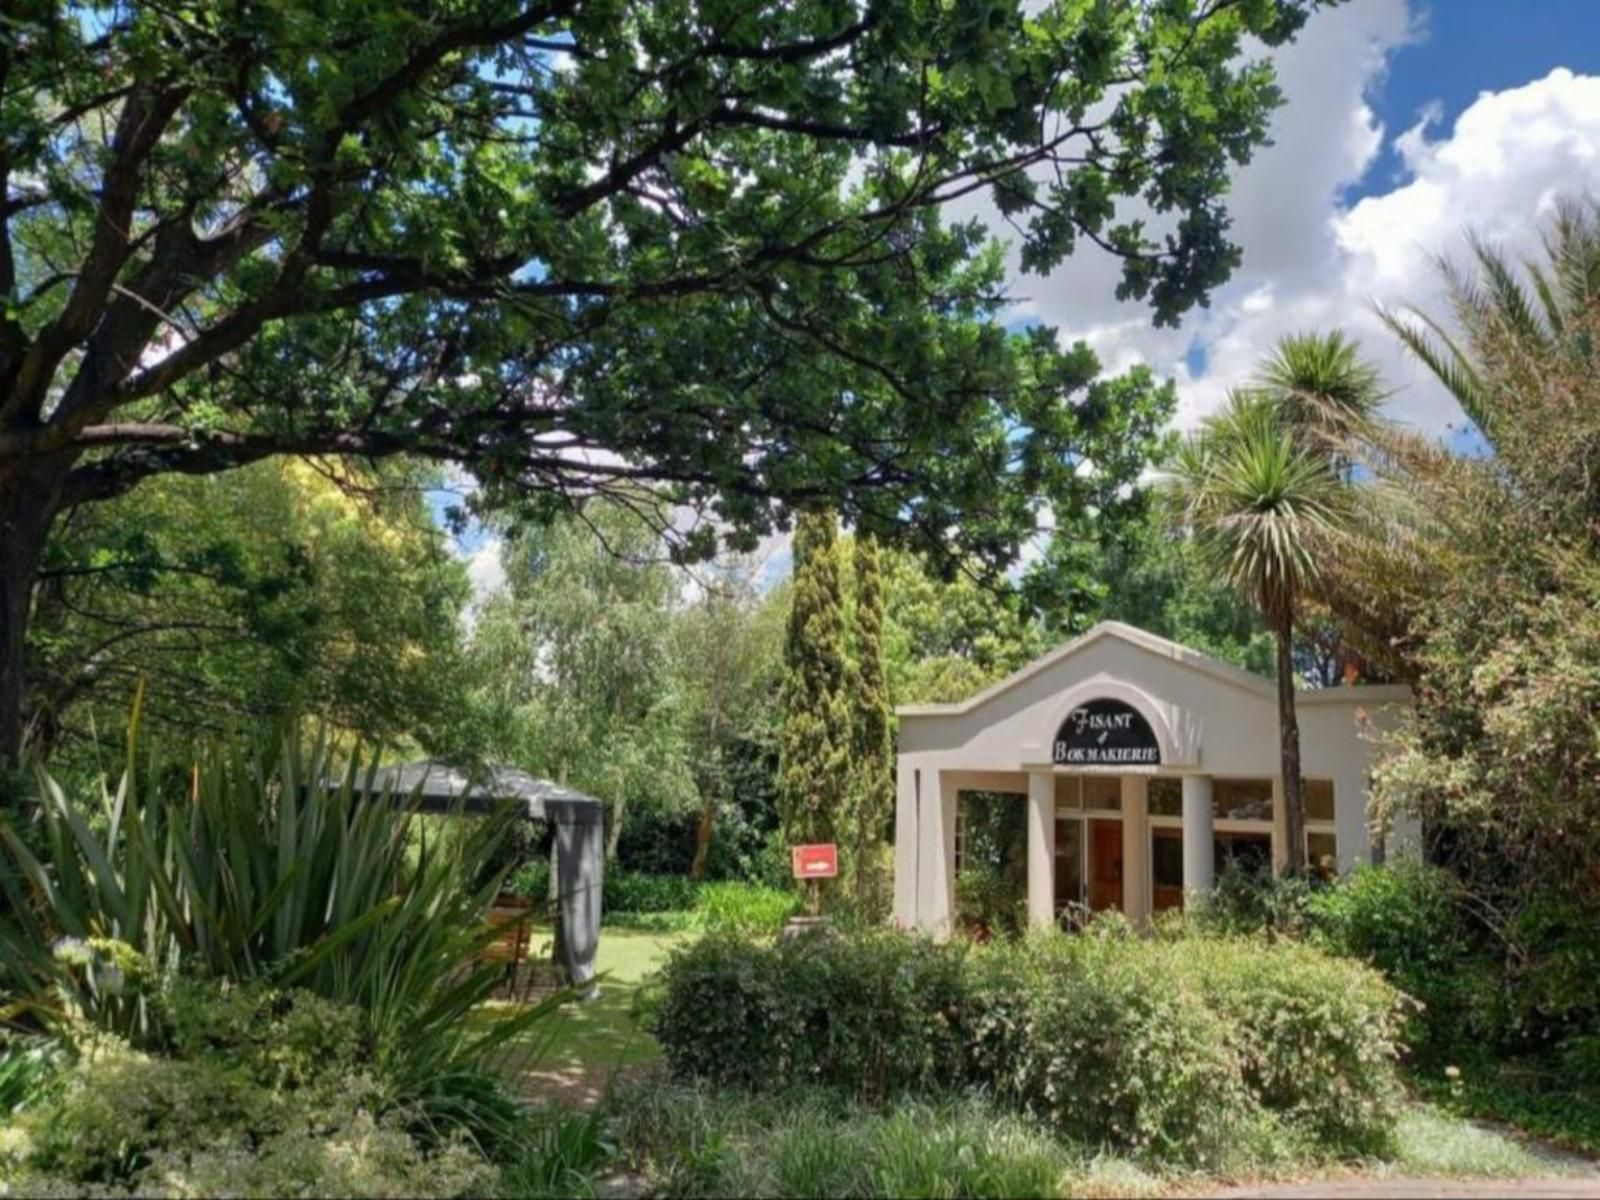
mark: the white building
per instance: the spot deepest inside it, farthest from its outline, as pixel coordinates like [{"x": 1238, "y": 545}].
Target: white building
[{"x": 1143, "y": 766}]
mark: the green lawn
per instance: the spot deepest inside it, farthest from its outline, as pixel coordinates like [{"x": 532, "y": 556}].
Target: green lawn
[{"x": 571, "y": 1057}]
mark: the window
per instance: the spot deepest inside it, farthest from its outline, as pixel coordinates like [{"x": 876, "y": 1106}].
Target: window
[
  {"x": 1166, "y": 868},
  {"x": 1069, "y": 862},
  {"x": 1319, "y": 800},
  {"x": 1069, "y": 797},
  {"x": 1242, "y": 799},
  {"x": 1074, "y": 793},
  {"x": 1241, "y": 850},
  {"x": 1103, "y": 792},
  {"x": 961, "y": 835},
  {"x": 1322, "y": 852},
  {"x": 1166, "y": 797}
]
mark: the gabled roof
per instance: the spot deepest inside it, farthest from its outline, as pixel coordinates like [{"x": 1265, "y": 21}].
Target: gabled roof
[{"x": 1165, "y": 648}]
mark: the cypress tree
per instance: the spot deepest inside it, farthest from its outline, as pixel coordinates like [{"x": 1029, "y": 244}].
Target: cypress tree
[
  {"x": 815, "y": 741},
  {"x": 874, "y": 760}
]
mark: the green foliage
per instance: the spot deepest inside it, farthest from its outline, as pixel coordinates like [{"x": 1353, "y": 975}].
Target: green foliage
[
  {"x": 564, "y": 1151},
  {"x": 264, "y": 1092},
  {"x": 815, "y": 739},
  {"x": 1406, "y": 920},
  {"x": 575, "y": 663},
  {"x": 721, "y": 266},
  {"x": 262, "y": 863},
  {"x": 1163, "y": 584},
  {"x": 634, "y": 892},
  {"x": 28, "y": 1066},
  {"x": 719, "y": 907},
  {"x": 744, "y": 909},
  {"x": 270, "y": 589},
  {"x": 992, "y": 884},
  {"x": 1249, "y": 900},
  {"x": 870, "y": 1014},
  {"x": 1167, "y": 1048},
  {"x": 690, "y": 1142},
  {"x": 872, "y": 785}
]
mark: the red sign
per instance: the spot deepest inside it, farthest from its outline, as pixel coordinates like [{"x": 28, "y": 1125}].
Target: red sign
[{"x": 816, "y": 862}]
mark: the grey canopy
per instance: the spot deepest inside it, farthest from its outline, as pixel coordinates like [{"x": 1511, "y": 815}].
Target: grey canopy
[{"x": 578, "y": 821}]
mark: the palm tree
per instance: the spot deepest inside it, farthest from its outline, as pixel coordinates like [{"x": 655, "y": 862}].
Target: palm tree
[
  {"x": 1325, "y": 391},
  {"x": 1509, "y": 322},
  {"x": 1262, "y": 505}
]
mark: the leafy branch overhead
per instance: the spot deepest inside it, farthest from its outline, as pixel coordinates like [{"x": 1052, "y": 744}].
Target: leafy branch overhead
[{"x": 585, "y": 245}]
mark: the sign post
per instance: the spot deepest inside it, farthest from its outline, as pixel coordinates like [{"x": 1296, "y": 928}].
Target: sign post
[{"x": 814, "y": 863}]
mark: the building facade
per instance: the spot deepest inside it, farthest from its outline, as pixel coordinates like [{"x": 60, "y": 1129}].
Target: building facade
[{"x": 1143, "y": 767}]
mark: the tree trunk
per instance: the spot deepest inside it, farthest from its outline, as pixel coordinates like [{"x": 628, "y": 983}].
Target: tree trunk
[
  {"x": 702, "y": 839},
  {"x": 1289, "y": 740},
  {"x": 30, "y": 497}
]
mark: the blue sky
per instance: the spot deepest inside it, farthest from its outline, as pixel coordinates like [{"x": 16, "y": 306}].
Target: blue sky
[{"x": 1466, "y": 47}]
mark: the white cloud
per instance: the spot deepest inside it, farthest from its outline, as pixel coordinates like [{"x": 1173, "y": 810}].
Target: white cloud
[
  {"x": 486, "y": 571},
  {"x": 1312, "y": 262}
]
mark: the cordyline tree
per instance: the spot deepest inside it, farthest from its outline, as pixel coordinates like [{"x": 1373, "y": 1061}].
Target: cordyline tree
[{"x": 582, "y": 246}]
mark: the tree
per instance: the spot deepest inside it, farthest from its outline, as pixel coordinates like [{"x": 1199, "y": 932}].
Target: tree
[
  {"x": 815, "y": 742},
  {"x": 279, "y": 586},
  {"x": 1486, "y": 581},
  {"x": 872, "y": 800},
  {"x": 1327, "y": 395},
  {"x": 576, "y": 663},
  {"x": 1259, "y": 503},
  {"x": 729, "y": 655},
  {"x": 1166, "y": 585},
  {"x": 583, "y": 245}
]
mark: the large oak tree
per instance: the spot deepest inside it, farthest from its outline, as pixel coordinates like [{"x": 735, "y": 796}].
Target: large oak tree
[{"x": 584, "y": 245}]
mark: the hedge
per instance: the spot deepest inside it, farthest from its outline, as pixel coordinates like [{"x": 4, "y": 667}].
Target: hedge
[{"x": 1170, "y": 1046}]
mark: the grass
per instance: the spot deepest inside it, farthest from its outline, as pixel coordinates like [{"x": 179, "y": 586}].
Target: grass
[
  {"x": 570, "y": 1058},
  {"x": 1540, "y": 1101},
  {"x": 687, "y": 1140}
]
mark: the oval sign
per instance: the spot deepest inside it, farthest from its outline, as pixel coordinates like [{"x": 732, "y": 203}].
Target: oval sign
[{"x": 1106, "y": 733}]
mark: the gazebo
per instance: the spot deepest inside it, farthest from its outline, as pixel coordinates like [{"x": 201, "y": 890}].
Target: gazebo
[{"x": 578, "y": 868}]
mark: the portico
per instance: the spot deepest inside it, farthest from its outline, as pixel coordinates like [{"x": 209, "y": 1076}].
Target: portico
[{"x": 1143, "y": 767}]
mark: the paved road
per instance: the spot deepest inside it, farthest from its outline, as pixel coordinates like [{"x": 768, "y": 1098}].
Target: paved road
[{"x": 1580, "y": 1188}]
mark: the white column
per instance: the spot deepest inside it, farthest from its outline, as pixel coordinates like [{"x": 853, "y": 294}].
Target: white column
[
  {"x": 1041, "y": 848},
  {"x": 936, "y": 871},
  {"x": 1198, "y": 862},
  {"x": 906, "y": 848},
  {"x": 1135, "y": 848}
]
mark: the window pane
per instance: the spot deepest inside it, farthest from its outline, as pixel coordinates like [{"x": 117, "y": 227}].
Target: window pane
[
  {"x": 1103, "y": 792},
  {"x": 1166, "y": 798},
  {"x": 1322, "y": 849},
  {"x": 1067, "y": 793},
  {"x": 1242, "y": 852},
  {"x": 1242, "y": 799},
  {"x": 1166, "y": 868},
  {"x": 1069, "y": 863},
  {"x": 1319, "y": 799}
]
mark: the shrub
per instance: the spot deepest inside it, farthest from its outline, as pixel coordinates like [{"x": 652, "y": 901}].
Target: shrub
[
  {"x": 1404, "y": 920},
  {"x": 870, "y": 1014},
  {"x": 260, "y": 863},
  {"x": 1098, "y": 1037},
  {"x": 1249, "y": 899},
  {"x": 265, "y": 1092},
  {"x": 532, "y": 881},
  {"x": 744, "y": 908},
  {"x": 1165, "y": 1047},
  {"x": 635, "y": 892}
]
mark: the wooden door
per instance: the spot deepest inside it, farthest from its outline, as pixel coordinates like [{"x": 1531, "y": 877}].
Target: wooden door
[{"x": 1105, "y": 865}]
